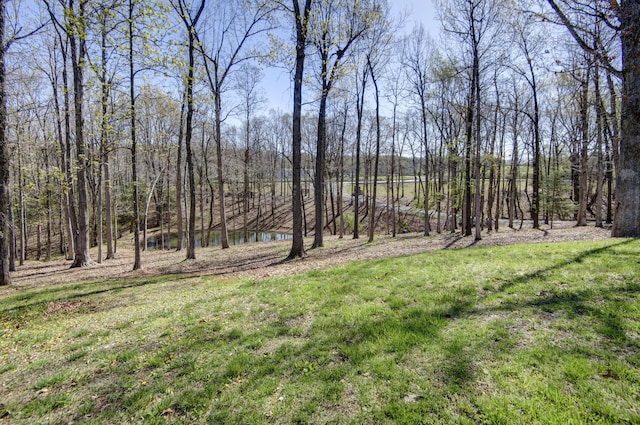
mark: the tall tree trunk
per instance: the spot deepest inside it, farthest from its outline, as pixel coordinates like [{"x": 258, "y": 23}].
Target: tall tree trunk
[
  {"x": 426, "y": 164},
  {"x": 190, "y": 21},
  {"x": 191, "y": 246},
  {"x": 104, "y": 97},
  {"x": 12, "y": 235},
  {"x": 108, "y": 208},
  {"x": 454, "y": 189},
  {"x": 21, "y": 209},
  {"x": 179, "y": 180},
  {"x": 98, "y": 212},
  {"x": 65, "y": 149},
  {"x": 492, "y": 163},
  {"x": 137, "y": 263},
  {"x": 372, "y": 220},
  {"x": 501, "y": 165},
  {"x": 245, "y": 181},
  {"x": 48, "y": 195},
  {"x": 356, "y": 189},
  {"x": 168, "y": 244},
  {"x": 319, "y": 178},
  {"x": 466, "y": 208},
  {"x": 627, "y": 210},
  {"x": 477, "y": 200},
  {"x": 584, "y": 152},
  {"x": 78, "y": 53},
  {"x": 609, "y": 177},
  {"x": 535, "y": 198},
  {"x": 104, "y": 153},
  {"x": 615, "y": 127},
  {"x": 599, "y": 153},
  {"x": 71, "y": 191},
  {"x": 13, "y": 248},
  {"x": 224, "y": 237},
  {"x": 392, "y": 171},
  {"x": 302, "y": 24},
  {"x": 5, "y": 277},
  {"x": 204, "y": 239},
  {"x": 513, "y": 186},
  {"x": 211, "y": 204},
  {"x": 341, "y": 175}
]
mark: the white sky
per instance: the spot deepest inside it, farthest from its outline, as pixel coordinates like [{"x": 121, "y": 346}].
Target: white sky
[{"x": 420, "y": 11}]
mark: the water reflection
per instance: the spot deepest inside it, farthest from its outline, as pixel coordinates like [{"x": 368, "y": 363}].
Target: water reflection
[{"x": 235, "y": 238}]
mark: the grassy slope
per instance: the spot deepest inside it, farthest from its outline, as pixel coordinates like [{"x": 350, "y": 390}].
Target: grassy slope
[{"x": 517, "y": 334}]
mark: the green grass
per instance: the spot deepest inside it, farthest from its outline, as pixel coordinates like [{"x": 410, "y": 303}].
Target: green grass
[{"x": 526, "y": 334}]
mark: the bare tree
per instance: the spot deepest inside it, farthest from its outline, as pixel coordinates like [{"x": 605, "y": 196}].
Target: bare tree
[
  {"x": 380, "y": 37},
  {"x": 624, "y": 18},
  {"x": 106, "y": 81},
  {"x": 247, "y": 85},
  {"x": 76, "y": 25},
  {"x": 477, "y": 24},
  {"x": 361, "y": 78},
  {"x": 337, "y": 24},
  {"x": 301, "y": 21},
  {"x": 416, "y": 60},
  {"x": 179, "y": 177},
  {"x": 137, "y": 263},
  {"x": 63, "y": 130},
  {"x": 528, "y": 40},
  {"x": 223, "y": 47},
  {"x": 5, "y": 278},
  {"x": 190, "y": 20}
]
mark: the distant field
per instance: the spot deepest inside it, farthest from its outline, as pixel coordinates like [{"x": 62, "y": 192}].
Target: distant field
[{"x": 523, "y": 334}]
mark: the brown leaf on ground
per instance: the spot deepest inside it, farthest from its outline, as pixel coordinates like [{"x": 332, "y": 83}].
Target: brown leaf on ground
[
  {"x": 65, "y": 307},
  {"x": 266, "y": 259}
]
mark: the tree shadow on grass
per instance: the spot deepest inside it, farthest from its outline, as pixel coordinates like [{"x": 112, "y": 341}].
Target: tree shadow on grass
[
  {"x": 17, "y": 306},
  {"x": 418, "y": 325},
  {"x": 330, "y": 354},
  {"x": 574, "y": 260}
]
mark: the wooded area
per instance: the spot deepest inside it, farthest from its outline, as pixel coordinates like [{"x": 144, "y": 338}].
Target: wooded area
[{"x": 126, "y": 117}]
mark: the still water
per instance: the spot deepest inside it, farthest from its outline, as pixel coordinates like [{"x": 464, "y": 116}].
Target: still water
[{"x": 235, "y": 238}]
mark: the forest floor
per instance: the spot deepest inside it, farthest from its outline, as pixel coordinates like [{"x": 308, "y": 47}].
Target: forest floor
[{"x": 265, "y": 259}]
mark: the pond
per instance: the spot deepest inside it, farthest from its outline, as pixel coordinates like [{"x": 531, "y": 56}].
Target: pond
[{"x": 235, "y": 238}]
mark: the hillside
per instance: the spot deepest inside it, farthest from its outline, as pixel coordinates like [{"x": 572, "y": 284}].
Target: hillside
[{"x": 261, "y": 260}]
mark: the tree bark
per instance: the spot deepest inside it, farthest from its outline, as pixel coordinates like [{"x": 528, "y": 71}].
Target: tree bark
[
  {"x": 5, "y": 277},
  {"x": 584, "y": 152},
  {"x": 426, "y": 162},
  {"x": 477, "y": 199},
  {"x": 372, "y": 220},
  {"x": 64, "y": 162},
  {"x": 302, "y": 24},
  {"x": 78, "y": 53},
  {"x": 108, "y": 207},
  {"x": 513, "y": 186},
  {"x": 179, "y": 182},
  {"x": 627, "y": 210},
  {"x": 599, "y": 138},
  {"x": 191, "y": 242},
  {"x": 137, "y": 262},
  {"x": 626, "y": 221},
  {"x": 356, "y": 190},
  {"x": 319, "y": 178},
  {"x": 466, "y": 211}
]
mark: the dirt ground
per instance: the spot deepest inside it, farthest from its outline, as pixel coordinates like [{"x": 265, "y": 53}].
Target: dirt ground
[{"x": 265, "y": 259}]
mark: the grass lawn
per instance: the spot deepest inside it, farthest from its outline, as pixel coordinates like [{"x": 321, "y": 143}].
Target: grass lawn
[{"x": 545, "y": 333}]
